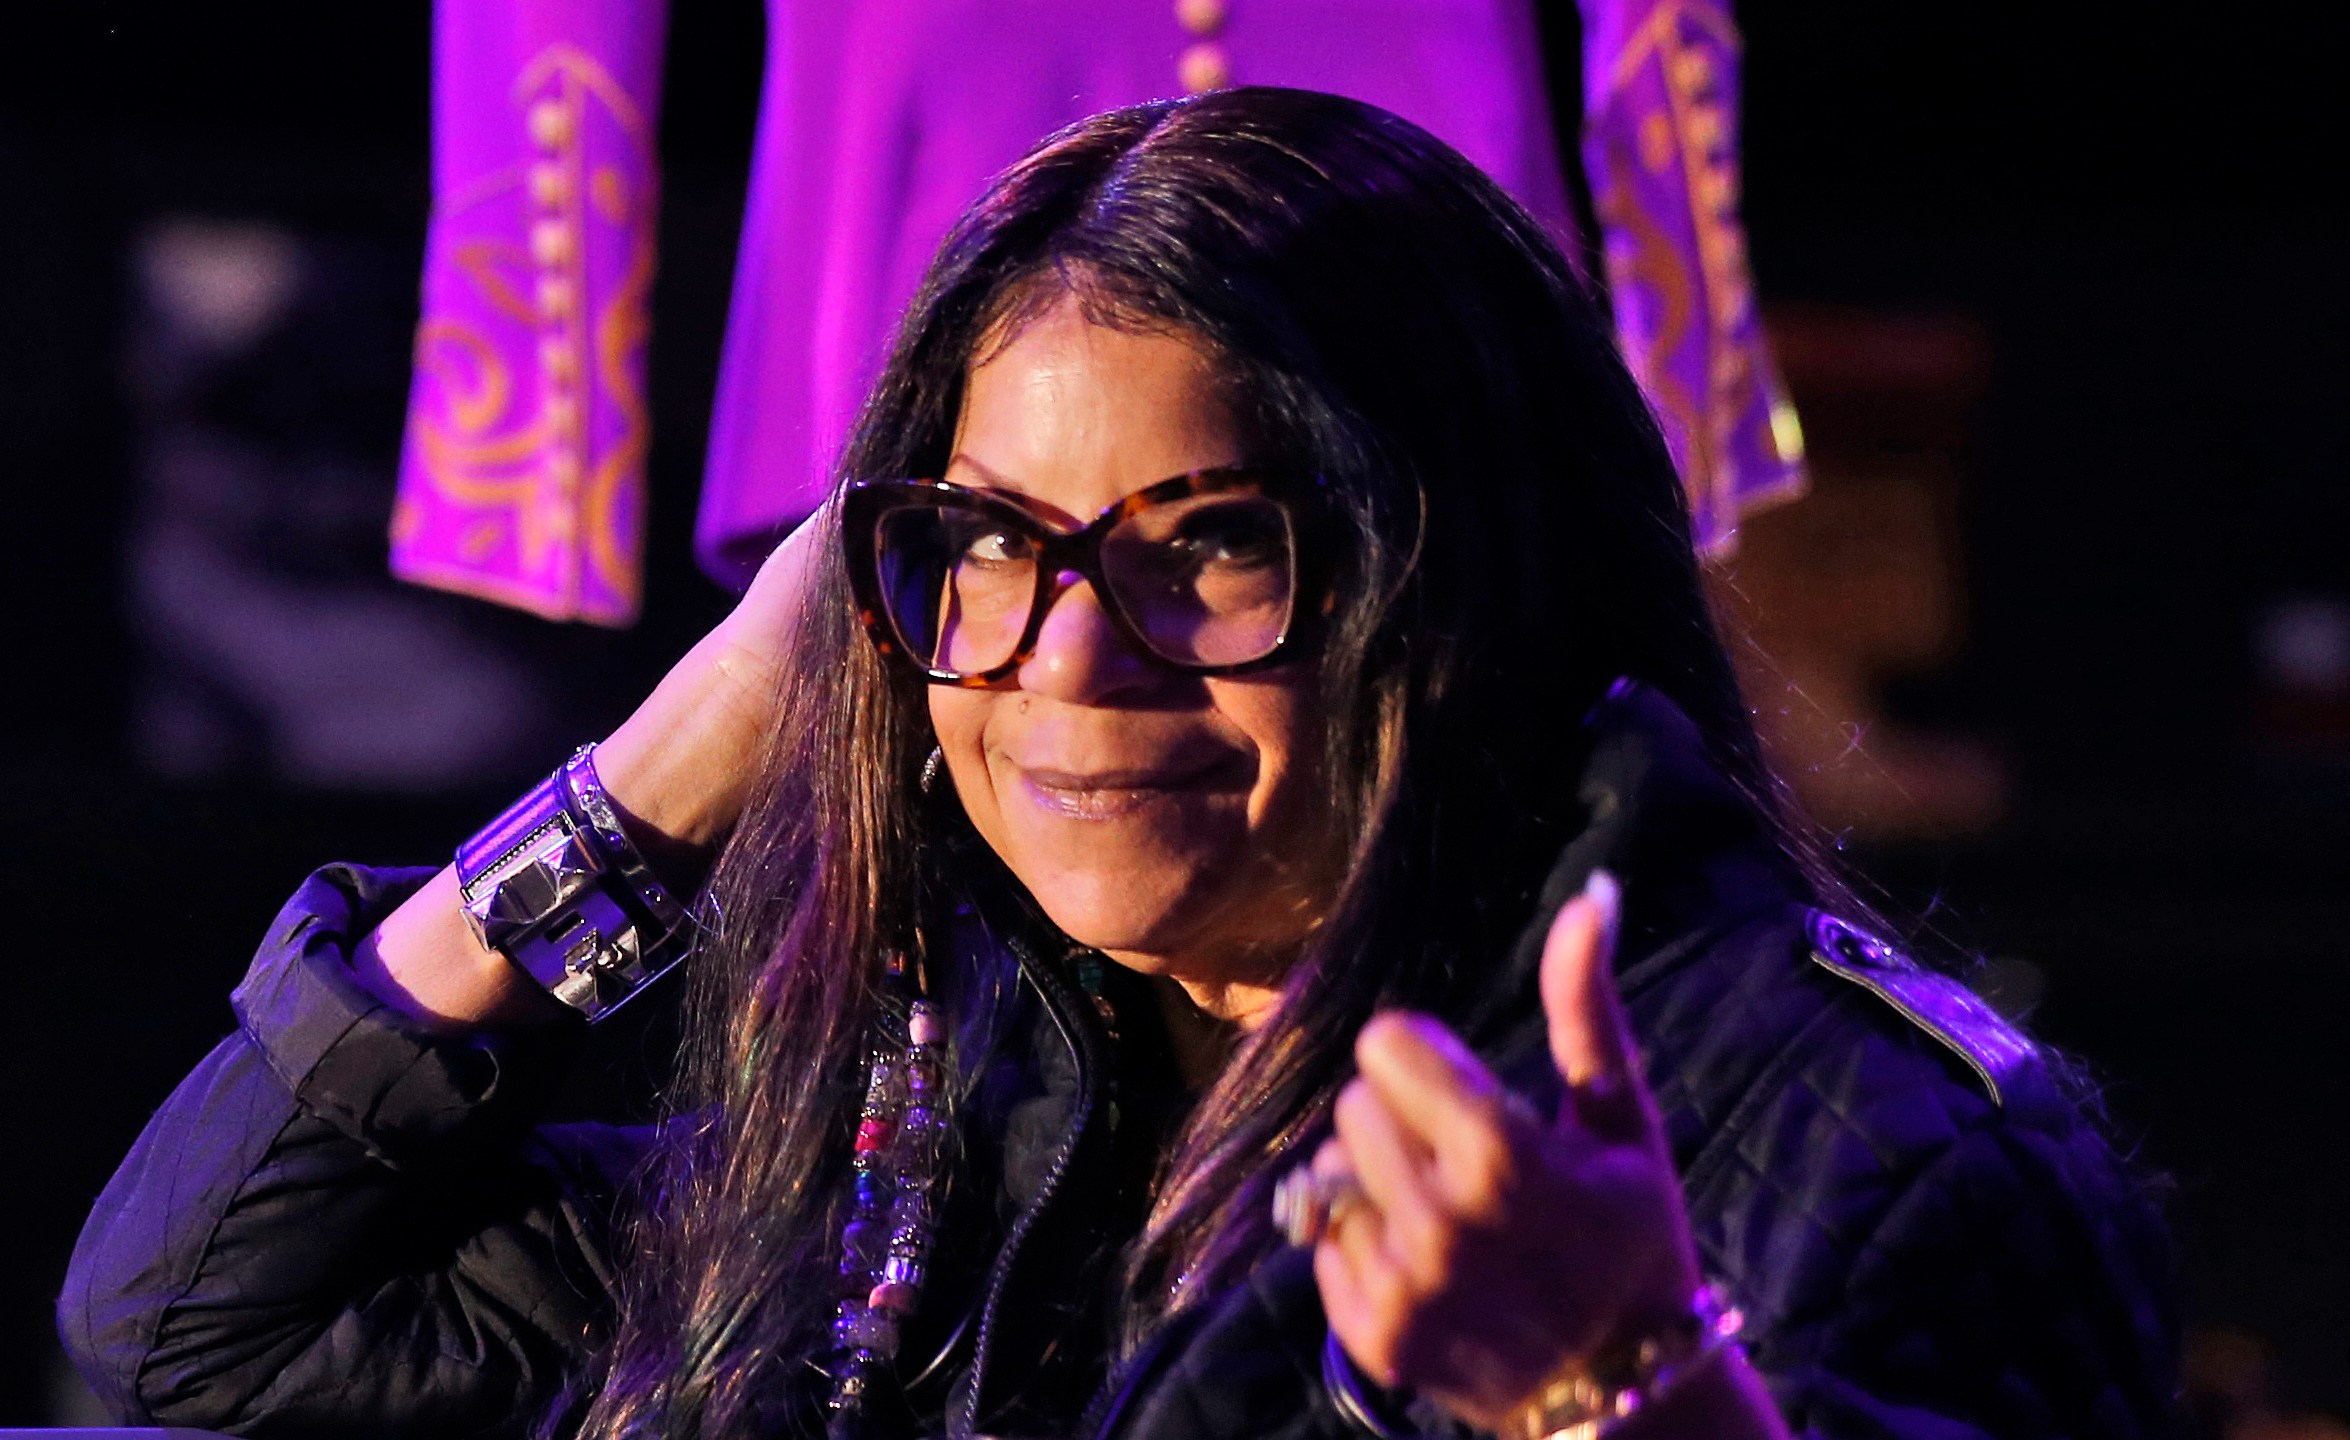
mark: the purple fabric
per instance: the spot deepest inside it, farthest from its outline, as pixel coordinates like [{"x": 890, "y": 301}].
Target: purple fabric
[
  {"x": 522, "y": 474},
  {"x": 880, "y": 119},
  {"x": 1660, "y": 143},
  {"x": 883, "y": 118}
]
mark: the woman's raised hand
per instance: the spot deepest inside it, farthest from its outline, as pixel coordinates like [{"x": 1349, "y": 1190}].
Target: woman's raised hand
[
  {"x": 1491, "y": 1250},
  {"x": 679, "y": 766},
  {"x": 681, "y": 763}
]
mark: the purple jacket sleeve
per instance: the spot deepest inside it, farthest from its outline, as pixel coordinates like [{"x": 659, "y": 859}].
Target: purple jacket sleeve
[
  {"x": 522, "y": 474},
  {"x": 338, "y": 1225},
  {"x": 1660, "y": 150}
]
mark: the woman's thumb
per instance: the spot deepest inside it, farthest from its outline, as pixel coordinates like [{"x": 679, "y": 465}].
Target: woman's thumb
[{"x": 1589, "y": 1036}]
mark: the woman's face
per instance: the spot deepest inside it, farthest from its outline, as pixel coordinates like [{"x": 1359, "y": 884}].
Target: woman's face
[{"x": 1168, "y": 820}]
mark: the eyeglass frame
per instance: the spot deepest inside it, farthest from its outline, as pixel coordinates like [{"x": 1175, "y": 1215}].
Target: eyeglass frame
[{"x": 866, "y": 503}]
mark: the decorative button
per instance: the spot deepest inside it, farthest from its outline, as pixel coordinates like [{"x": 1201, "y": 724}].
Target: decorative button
[
  {"x": 1201, "y": 17},
  {"x": 1203, "y": 67},
  {"x": 550, "y": 242},
  {"x": 555, "y": 297},
  {"x": 550, "y": 124},
  {"x": 548, "y": 184}
]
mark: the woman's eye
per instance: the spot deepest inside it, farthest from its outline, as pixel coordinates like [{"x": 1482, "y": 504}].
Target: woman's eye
[
  {"x": 988, "y": 546},
  {"x": 1231, "y": 540}
]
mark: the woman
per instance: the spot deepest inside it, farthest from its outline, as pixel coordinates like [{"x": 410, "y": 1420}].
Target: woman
[{"x": 1214, "y": 765}]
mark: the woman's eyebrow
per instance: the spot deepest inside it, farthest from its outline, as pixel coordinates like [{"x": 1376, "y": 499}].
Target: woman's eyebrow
[
  {"x": 1013, "y": 489},
  {"x": 993, "y": 480}
]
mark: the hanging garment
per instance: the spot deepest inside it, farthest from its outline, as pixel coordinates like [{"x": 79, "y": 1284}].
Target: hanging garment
[{"x": 522, "y": 475}]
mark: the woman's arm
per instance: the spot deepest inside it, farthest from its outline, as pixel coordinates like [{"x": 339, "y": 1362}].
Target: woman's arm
[
  {"x": 342, "y": 1222},
  {"x": 2014, "y": 1285},
  {"x": 339, "y": 1224},
  {"x": 1928, "y": 1260},
  {"x": 678, "y": 768}
]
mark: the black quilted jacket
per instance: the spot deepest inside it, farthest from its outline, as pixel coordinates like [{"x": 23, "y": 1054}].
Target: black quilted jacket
[{"x": 339, "y": 1227}]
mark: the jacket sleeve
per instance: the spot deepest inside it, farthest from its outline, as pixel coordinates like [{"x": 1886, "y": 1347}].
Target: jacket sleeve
[
  {"x": 1929, "y": 1236},
  {"x": 338, "y": 1225},
  {"x": 2005, "y": 1284}
]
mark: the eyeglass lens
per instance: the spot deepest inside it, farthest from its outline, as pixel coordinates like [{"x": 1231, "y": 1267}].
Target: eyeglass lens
[{"x": 1206, "y": 580}]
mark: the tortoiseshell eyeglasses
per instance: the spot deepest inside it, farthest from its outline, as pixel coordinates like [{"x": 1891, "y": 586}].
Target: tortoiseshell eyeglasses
[{"x": 1205, "y": 572}]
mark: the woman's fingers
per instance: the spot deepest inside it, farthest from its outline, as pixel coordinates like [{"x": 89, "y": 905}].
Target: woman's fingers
[
  {"x": 783, "y": 574},
  {"x": 759, "y": 629},
  {"x": 1390, "y": 1165},
  {"x": 1362, "y": 1297},
  {"x": 1363, "y": 1293},
  {"x": 1590, "y": 1037},
  {"x": 1423, "y": 1282},
  {"x": 1483, "y": 1249},
  {"x": 1444, "y": 1098}
]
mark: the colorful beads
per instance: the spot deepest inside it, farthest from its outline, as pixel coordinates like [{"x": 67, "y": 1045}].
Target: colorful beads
[
  {"x": 875, "y": 1329},
  {"x": 885, "y": 1245},
  {"x": 911, "y": 1211}
]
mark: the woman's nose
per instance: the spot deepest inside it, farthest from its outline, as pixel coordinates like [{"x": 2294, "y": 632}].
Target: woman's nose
[{"x": 1080, "y": 656}]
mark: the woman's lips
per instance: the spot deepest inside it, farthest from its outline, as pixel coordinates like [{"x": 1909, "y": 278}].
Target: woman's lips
[{"x": 1109, "y": 794}]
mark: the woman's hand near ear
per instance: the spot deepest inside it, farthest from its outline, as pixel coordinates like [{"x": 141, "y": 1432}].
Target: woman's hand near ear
[
  {"x": 680, "y": 765},
  {"x": 1492, "y": 1251},
  {"x": 679, "y": 768}
]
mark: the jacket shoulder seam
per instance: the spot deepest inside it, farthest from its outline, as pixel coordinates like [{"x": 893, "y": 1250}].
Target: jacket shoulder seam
[{"x": 2003, "y": 1060}]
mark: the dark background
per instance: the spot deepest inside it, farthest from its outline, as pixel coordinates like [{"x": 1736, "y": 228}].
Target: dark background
[{"x": 2126, "y": 206}]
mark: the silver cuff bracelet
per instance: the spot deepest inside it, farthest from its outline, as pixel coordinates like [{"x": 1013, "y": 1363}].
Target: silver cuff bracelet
[{"x": 556, "y": 886}]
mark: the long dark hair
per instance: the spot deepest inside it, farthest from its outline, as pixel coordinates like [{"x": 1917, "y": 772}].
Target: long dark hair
[{"x": 1509, "y": 537}]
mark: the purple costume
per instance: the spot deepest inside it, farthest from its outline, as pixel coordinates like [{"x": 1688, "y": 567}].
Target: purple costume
[{"x": 522, "y": 478}]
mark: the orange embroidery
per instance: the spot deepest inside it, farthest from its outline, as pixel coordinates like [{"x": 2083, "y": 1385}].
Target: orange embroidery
[{"x": 531, "y": 418}]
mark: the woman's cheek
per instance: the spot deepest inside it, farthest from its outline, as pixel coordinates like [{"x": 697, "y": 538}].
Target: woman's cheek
[{"x": 958, "y": 720}]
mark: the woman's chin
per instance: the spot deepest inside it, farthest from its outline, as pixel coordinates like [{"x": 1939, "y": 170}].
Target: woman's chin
[
  {"x": 1137, "y": 918},
  {"x": 1130, "y": 881},
  {"x": 1111, "y": 929}
]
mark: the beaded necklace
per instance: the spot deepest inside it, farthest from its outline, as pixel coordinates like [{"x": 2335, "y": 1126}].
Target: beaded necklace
[
  {"x": 900, "y": 1152},
  {"x": 885, "y": 1247}
]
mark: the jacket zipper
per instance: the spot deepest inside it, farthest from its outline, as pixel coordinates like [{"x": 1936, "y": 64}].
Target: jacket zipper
[{"x": 1057, "y": 1005}]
